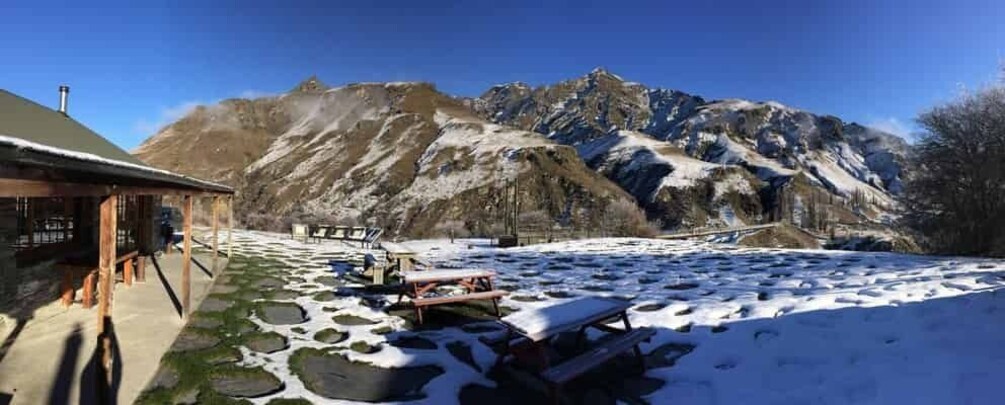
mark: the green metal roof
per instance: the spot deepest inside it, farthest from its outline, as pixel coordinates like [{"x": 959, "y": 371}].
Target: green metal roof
[
  {"x": 33, "y": 135},
  {"x": 25, "y": 119}
]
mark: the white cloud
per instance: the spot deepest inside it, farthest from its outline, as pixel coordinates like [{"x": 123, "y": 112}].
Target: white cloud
[
  {"x": 255, "y": 94},
  {"x": 892, "y": 125},
  {"x": 167, "y": 115}
]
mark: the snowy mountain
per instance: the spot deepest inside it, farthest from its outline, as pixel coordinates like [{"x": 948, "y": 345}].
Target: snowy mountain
[
  {"x": 678, "y": 153},
  {"x": 400, "y": 155},
  {"x": 407, "y": 157}
]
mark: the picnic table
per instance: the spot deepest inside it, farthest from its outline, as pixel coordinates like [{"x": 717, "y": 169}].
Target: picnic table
[
  {"x": 528, "y": 333},
  {"x": 400, "y": 255},
  {"x": 420, "y": 287}
]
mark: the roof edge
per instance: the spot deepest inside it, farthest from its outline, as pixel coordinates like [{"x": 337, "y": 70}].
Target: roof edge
[{"x": 187, "y": 181}]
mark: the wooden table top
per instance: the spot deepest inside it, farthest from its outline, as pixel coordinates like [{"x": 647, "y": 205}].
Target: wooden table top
[
  {"x": 396, "y": 249},
  {"x": 541, "y": 323},
  {"x": 445, "y": 275}
]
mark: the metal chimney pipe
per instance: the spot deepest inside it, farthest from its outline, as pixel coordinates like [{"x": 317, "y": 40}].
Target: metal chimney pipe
[{"x": 64, "y": 93}]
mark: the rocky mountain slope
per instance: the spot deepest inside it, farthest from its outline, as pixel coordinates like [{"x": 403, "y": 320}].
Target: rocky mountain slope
[
  {"x": 695, "y": 162},
  {"x": 407, "y": 157},
  {"x": 398, "y": 155}
]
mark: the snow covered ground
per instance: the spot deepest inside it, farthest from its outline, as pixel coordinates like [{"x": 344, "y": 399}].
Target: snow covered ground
[{"x": 769, "y": 326}]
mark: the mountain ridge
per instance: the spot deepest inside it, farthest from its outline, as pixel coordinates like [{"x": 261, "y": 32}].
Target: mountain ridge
[
  {"x": 685, "y": 160},
  {"x": 771, "y": 141},
  {"x": 402, "y": 156}
]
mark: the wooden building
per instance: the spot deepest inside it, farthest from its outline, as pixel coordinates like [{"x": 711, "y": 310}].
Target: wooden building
[{"x": 77, "y": 211}]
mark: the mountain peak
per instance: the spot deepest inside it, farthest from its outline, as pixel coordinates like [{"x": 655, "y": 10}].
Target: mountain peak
[
  {"x": 310, "y": 85},
  {"x": 600, "y": 71}
]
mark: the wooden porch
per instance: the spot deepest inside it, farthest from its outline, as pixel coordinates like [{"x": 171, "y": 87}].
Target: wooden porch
[
  {"x": 105, "y": 246},
  {"x": 50, "y": 358}
]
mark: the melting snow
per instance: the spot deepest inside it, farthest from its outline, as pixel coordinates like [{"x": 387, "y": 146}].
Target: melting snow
[{"x": 768, "y": 325}]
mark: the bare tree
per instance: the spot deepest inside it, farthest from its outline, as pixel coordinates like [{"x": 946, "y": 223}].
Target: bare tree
[
  {"x": 624, "y": 218},
  {"x": 955, "y": 198}
]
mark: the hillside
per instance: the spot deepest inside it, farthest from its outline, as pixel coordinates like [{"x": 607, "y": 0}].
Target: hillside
[
  {"x": 679, "y": 154},
  {"x": 402, "y": 156},
  {"x": 407, "y": 157}
]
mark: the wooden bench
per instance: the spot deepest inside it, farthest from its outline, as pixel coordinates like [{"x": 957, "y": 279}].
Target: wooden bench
[
  {"x": 484, "y": 295},
  {"x": 127, "y": 266},
  {"x": 570, "y": 369},
  {"x": 90, "y": 273},
  {"x": 477, "y": 282}
]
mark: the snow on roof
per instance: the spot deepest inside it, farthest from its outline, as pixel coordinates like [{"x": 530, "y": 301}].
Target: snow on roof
[{"x": 22, "y": 144}]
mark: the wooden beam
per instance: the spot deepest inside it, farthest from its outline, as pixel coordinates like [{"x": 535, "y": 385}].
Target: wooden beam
[
  {"x": 38, "y": 188},
  {"x": 230, "y": 227},
  {"x": 216, "y": 233},
  {"x": 106, "y": 270},
  {"x": 106, "y": 257},
  {"x": 186, "y": 267}
]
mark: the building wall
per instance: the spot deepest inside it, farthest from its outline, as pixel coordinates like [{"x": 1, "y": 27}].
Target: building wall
[{"x": 8, "y": 235}]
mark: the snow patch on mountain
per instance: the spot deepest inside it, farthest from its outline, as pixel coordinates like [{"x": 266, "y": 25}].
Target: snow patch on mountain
[{"x": 632, "y": 152}]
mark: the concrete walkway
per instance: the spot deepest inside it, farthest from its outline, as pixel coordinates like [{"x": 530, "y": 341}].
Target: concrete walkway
[{"x": 49, "y": 360}]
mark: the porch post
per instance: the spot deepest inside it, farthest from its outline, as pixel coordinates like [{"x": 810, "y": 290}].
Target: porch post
[
  {"x": 106, "y": 257},
  {"x": 230, "y": 226},
  {"x": 186, "y": 267},
  {"x": 106, "y": 270},
  {"x": 216, "y": 233}
]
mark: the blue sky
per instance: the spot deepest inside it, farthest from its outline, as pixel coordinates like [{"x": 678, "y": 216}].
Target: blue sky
[{"x": 131, "y": 68}]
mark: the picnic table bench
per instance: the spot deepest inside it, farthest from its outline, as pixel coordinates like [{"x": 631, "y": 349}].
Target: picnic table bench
[
  {"x": 88, "y": 267},
  {"x": 420, "y": 285},
  {"x": 529, "y": 331}
]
